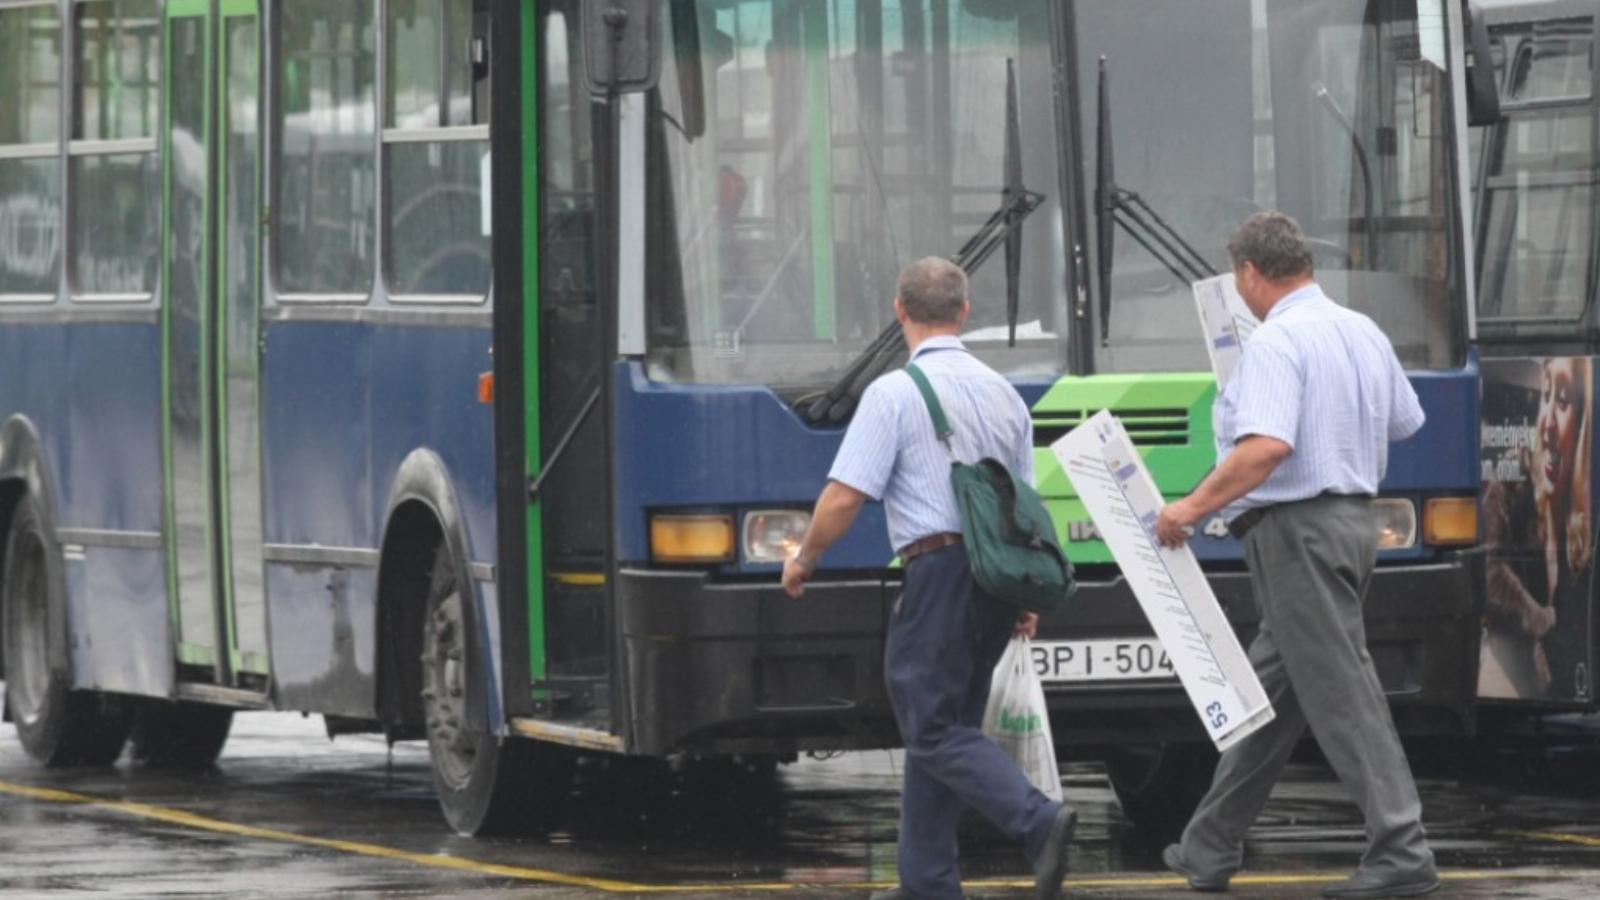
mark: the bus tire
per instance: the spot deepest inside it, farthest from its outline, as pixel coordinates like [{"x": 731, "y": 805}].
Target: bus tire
[
  {"x": 486, "y": 784},
  {"x": 56, "y": 725},
  {"x": 1159, "y": 786},
  {"x": 178, "y": 735}
]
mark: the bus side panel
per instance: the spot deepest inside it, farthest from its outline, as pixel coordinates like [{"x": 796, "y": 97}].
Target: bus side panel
[
  {"x": 345, "y": 403},
  {"x": 424, "y": 394},
  {"x": 120, "y": 624},
  {"x": 78, "y": 383}
]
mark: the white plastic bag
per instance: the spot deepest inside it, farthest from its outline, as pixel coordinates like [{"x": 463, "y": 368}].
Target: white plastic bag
[{"x": 1018, "y": 720}]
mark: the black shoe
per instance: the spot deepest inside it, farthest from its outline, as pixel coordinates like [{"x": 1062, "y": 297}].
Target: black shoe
[
  {"x": 1173, "y": 857},
  {"x": 1050, "y": 869},
  {"x": 1366, "y": 887}
]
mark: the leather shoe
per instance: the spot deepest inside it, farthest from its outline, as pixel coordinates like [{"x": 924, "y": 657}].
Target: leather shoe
[
  {"x": 1050, "y": 869},
  {"x": 1365, "y": 887},
  {"x": 1173, "y": 858}
]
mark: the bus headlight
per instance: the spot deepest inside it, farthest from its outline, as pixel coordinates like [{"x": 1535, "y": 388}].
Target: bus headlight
[
  {"x": 1450, "y": 521},
  {"x": 691, "y": 538},
  {"x": 1397, "y": 523},
  {"x": 773, "y": 535}
]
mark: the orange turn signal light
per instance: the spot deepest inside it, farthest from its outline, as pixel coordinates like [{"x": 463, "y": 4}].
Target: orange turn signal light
[
  {"x": 692, "y": 538},
  {"x": 1450, "y": 521},
  {"x": 486, "y": 387}
]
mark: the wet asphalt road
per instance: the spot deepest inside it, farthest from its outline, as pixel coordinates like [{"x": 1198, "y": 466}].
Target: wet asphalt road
[{"x": 289, "y": 814}]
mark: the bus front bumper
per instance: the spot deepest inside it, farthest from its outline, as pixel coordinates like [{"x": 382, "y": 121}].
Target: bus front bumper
[
  {"x": 1422, "y": 632},
  {"x": 711, "y": 667},
  {"x": 741, "y": 667}
]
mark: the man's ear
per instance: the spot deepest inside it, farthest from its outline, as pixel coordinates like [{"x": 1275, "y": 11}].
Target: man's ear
[
  {"x": 900, "y": 312},
  {"x": 966, "y": 312}
]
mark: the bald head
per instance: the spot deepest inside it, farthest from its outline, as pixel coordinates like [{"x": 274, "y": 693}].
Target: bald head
[{"x": 933, "y": 291}]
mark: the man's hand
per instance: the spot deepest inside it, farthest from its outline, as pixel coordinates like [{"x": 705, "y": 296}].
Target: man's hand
[
  {"x": 836, "y": 510},
  {"x": 1176, "y": 523},
  {"x": 796, "y": 572},
  {"x": 1027, "y": 626}
]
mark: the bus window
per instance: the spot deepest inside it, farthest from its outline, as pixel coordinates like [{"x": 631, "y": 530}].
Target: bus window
[
  {"x": 1538, "y": 197},
  {"x": 1334, "y": 113},
  {"x": 436, "y": 142},
  {"x": 801, "y": 153},
  {"x": 30, "y": 135},
  {"x": 324, "y": 197},
  {"x": 112, "y": 172}
]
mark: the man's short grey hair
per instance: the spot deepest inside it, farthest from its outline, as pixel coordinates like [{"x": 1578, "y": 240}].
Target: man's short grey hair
[
  {"x": 1274, "y": 244},
  {"x": 933, "y": 291}
]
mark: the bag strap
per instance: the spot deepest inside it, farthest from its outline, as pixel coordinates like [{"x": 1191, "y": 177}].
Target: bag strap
[{"x": 941, "y": 425}]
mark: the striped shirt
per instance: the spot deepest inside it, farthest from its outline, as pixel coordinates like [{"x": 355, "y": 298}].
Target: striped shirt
[
  {"x": 1324, "y": 380},
  {"x": 890, "y": 452}
]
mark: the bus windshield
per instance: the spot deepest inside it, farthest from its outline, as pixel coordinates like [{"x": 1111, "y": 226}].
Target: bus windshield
[
  {"x": 800, "y": 154},
  {"x": 1337, "y": 113}
]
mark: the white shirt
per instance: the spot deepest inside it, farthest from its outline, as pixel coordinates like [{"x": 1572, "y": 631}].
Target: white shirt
[
  {"x": 890, "y": 452},
  {"x": 1324, "y": 380}
]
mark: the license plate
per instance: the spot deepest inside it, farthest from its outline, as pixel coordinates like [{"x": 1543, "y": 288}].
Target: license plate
[{"x": 1101, "y": 660}]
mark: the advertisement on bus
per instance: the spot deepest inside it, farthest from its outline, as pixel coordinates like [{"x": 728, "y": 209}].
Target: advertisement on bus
[{"x": 1538, "y": 528}]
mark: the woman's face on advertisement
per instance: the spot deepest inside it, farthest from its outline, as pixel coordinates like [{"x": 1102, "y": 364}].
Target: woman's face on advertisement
[{"x": 1560, "y": 417}]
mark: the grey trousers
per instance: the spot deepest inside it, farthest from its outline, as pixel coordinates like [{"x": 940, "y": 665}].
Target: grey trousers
[{"x": 1309, "y": 567}]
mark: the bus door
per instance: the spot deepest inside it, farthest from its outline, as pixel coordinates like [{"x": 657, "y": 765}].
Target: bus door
[
  {"x": 570, "y": 356},
  {"x": 211, "y": 182}
]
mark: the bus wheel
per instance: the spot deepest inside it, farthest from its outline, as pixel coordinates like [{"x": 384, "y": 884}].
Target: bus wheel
[
  {"x": 486, "y": 784},
  {"x": 56, "y": 725},
  {"x": 1160, "y": 785},
  {"x": 179, "y": 735}
]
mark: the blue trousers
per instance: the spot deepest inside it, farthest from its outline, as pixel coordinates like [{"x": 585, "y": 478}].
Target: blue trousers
[{"x": 945, "y": 637}]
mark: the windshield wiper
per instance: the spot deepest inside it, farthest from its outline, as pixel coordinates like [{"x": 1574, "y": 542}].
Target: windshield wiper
[
  {"x": 1004, "y": 226},
  {"x": 1118, "y": 206}
]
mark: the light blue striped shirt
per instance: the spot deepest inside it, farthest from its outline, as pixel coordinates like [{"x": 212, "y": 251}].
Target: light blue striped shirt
[
  {"x": 1324, "y": 380},
  {"x": 890, "y": 452}
]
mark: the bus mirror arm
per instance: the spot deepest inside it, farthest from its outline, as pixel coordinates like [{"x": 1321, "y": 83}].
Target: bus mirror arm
[{"x": 1369, "y": 231}]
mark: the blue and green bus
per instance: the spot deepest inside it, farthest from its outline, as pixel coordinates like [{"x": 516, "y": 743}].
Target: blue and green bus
[{"x": 463, "y": 370}]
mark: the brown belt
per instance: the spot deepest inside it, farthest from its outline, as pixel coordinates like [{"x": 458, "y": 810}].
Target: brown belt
[{"x": 927, "y": 545}]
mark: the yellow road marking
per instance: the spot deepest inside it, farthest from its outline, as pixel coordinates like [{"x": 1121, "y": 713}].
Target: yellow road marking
[
  {"x": 1560, "y": 837},
  {"x": 524, "y": 873}
]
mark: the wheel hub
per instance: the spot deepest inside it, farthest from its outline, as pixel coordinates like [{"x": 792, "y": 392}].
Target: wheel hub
[{"x": 452, "y": 743}]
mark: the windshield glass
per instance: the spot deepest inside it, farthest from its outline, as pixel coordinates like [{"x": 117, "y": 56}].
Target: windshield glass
[
  {"x": 1335, "y": 112},
  {"x": 800, "y": 154}
]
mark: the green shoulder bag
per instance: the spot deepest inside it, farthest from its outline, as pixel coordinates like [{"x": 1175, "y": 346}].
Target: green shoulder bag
[{"x": 1011, "y": 541}]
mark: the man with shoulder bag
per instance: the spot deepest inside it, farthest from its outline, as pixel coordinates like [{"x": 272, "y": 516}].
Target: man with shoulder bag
[{"x": 981, "y": 557}]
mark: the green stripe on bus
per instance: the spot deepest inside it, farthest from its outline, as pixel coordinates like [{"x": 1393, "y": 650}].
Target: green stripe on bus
[
  {"x": 185, "y": 9},
  {"x": 530, "y": 329}
]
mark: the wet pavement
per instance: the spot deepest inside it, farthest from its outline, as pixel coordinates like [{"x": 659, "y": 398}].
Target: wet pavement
[{"x": 287, "y": 813}]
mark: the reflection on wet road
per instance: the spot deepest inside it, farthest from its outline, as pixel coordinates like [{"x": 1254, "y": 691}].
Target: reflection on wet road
[{"x": 289, "y": 814}]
